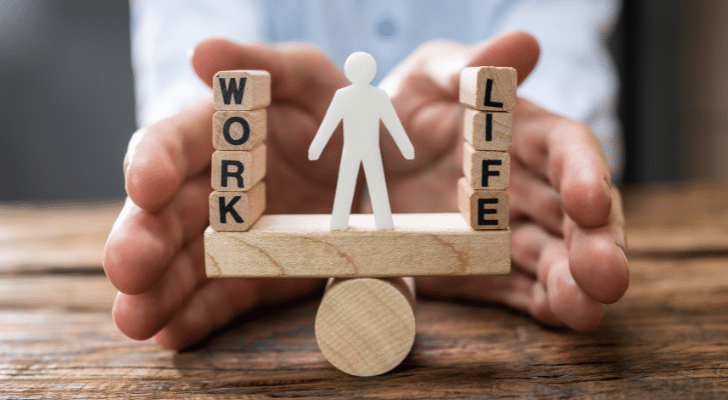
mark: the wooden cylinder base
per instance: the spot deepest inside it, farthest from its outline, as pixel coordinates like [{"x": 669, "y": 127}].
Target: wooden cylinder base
[{"x": 366, "y": 326}]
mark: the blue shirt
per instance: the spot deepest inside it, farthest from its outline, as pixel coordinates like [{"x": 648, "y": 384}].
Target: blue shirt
[{"x": 575, "y": 76}]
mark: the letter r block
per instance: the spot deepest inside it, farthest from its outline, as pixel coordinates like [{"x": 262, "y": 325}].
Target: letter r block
[
  {"x": 241, "y": 90},
  {"x": 239, "y": 130},
  {"x": 483, "y": 209},
  {"x": 489, "y": 170},
  {"x": 238, "y": 170},
  {"x": 236, "y": 211}
]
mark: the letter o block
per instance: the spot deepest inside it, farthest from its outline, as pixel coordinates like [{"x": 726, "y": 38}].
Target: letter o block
[{"x": 239, "y": 130}]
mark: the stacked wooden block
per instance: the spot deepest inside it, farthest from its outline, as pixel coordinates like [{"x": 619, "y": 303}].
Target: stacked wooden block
[
  {"x": 489, "y": 93},
  {"x": 239, "y": 130}
]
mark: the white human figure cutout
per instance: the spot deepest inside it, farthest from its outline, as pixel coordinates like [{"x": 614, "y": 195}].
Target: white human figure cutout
[{"x": 361, "y": 106}]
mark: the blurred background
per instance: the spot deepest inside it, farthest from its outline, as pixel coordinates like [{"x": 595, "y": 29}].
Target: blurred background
[{"x": 67, "y": 102}]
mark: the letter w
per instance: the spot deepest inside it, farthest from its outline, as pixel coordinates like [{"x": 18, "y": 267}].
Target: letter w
[{"x": 228, "y": 90}]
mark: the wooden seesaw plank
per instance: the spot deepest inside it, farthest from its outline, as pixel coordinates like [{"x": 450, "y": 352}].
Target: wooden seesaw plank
[{"x": 304, "y": 246}]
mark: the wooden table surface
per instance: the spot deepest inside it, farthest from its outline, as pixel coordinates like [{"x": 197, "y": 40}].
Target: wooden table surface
[{"x": 667, "y": 338}]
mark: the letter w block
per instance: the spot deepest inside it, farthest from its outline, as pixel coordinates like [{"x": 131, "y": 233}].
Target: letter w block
[{"x": 241, "y": 90}]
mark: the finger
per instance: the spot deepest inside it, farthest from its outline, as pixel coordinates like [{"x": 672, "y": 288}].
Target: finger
[
  {"x": 567, "y": 300},
  {"x": 545, "y": 256},
  {"x": 220, "y": 300},
  {"x": 528, "y": 241},
  {"x": 142, "y": 245},
  {"x": 533, "y": 198},
  {"x": 597, "y": 258},
  {"x": 442, "y": 61},
  {"x": 300, "y": 74},
  {"x": 161, "y": 157},
  {"x": 514, "y": 49},
  {"x": 142, "y": 315},
  {"x": 567, "y": 154}
]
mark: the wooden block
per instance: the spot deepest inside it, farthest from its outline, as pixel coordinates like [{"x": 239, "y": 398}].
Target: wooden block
[
  {"x": 304, "y": 246},
  {"x": 488, "y": 170},
  {"x": 488, "y": 130},
  {"x": 366, "y": 326},
  {"x": 241, "y": 90},
  {"x": 236, "y": 211},
  {"x": 483, "y": 209},
  {"x": 488, "y": 88},
  {"x": 239, "y": 130},
  {"x": 238, "y": 170}
]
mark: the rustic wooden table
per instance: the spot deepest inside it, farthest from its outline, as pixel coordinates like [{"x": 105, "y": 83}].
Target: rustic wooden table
[{"x": 667, "y": 338}]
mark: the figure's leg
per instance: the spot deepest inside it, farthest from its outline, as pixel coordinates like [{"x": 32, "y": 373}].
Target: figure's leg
[
  {"x": 374, "y": 172},
  {"x": 348, "y": 171}
]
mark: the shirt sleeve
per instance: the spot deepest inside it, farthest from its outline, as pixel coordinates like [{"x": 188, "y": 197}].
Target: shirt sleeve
[
  {"x": 575, "y": 76},
  {"x": 164, "y": 33}
]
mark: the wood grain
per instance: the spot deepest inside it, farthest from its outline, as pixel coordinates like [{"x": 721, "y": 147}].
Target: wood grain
[
  {"x": 237, "y": 211},
  {"x": 489, "y": 170},
  {"x": 665, "y": 339},
  {"x": 255, "y": 92},
  {"x": 488, "y": 130},
  {"x": 239, "y": 130},
  {"x": 677, "y": 218},
  {"x": 235, "y": 171},
  {"x": 475, "y": 83},
  {"x": 42, "y": 236},
  {"x": 366, "y": 326},
  {"x": 304, "y": 246}
]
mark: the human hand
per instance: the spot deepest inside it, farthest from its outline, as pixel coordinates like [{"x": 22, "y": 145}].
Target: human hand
[
  {"x": 155, "y": 255},
  {"x": 568, "y": 242}
]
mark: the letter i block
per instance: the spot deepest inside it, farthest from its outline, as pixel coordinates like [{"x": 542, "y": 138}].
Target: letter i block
[
  {"x": 489, "y": 170},
  {"x": 236, "y": 211},
  {"x": 488, "y": 88},
  {"x": 238, "y": 170},
  {"x": 483, "y": 209},
  {"x": 241, "y": 90},
  {"x": 488, "y": 130},
  {"x": 239, "y": 130}
]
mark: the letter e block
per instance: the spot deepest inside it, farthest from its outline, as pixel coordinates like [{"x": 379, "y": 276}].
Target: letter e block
[
  {"x": 236, "y": 211},
  {"x": 488, "y": 88},
  {"x": 239, "y": 130},
  {"x": 488, "y": 130},
  {"x": 238, "y": 170},
  {"x": 241, "y": 90},
  {"x": 483, "y": 209},
  {"x": 489, "y": 170}
]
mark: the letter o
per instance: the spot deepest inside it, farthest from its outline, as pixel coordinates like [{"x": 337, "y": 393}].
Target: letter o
[{"x": 226, "y": 131}]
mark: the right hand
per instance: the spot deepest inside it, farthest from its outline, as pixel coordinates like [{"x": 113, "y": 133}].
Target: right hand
[{"x": 155, "y": 253}]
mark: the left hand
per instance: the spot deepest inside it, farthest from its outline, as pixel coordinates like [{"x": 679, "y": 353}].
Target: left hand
[{"x": 568, "y": 242}]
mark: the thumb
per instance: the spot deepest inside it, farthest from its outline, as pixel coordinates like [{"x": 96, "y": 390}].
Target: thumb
[
  {"x": 515, "y": 49},
  {"x": 442, "y": 61},
  {"x": 298, "y": 72}
]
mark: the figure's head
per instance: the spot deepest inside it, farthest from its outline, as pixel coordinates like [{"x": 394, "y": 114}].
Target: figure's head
[{"x": 360, "y": 68}]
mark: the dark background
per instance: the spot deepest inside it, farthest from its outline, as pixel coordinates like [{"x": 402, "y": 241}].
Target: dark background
[{"x": 67, "y": 103}]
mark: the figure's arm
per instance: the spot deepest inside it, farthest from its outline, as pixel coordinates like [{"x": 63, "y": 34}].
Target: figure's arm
[
  {"x": 328, "y": 125},
  {"x": 395, "y": 128}
]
